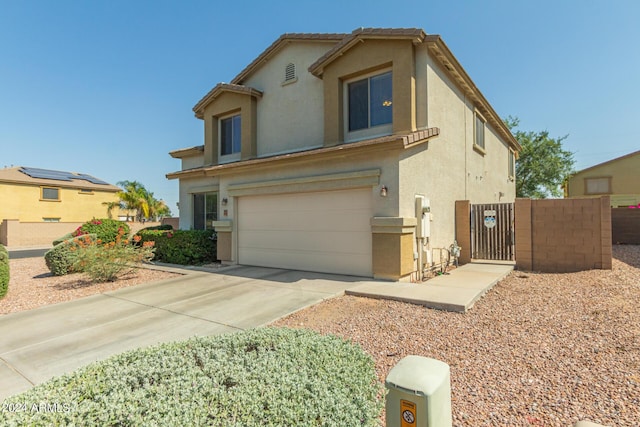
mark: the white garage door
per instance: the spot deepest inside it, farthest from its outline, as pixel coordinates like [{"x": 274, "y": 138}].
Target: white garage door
[{"x": 321, "y": 231}]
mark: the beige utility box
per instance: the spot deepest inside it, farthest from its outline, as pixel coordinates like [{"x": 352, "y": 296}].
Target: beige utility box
[{"x": 419, "y": 393}]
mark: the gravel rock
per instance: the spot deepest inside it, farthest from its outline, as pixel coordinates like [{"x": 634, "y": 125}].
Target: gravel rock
[
  {"x": 31, "y": 285},
  {"x": 537, "y": 350}
]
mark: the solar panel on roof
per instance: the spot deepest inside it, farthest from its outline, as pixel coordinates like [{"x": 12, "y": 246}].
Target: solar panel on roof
[{"x": 60, "y": 175}]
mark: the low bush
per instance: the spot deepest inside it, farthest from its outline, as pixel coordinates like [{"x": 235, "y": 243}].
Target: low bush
[
  {"x": 62, "y": 239},
  {"x": 4, "y": 271},
  {"x": 259, "y": 377},
  {"x": 105, "y": 262},
  {"x": 60, "y": 258},
  {"x": 106, "y": 229},
  {"x": 184, "y": 247}
]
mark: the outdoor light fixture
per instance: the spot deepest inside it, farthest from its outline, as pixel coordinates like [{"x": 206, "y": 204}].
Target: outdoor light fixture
[
  {"x": 225, "y": 201},
  {"x": 383, "y": 191}
]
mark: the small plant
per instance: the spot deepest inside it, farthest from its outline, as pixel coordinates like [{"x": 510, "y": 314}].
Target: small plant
[
  {"x": 105, "y": 262},
  {"x": 260, "y": 377},
  {"x": 106, "y": 229},
  {"x": 4, "y": 271},
  {"x": 60, "y": 259}
]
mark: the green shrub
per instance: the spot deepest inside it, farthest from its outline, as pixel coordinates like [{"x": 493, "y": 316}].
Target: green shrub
[
  {"x": 62, "y": 239},
  {"x": 259, "y": 377},
  {"x": 60, "y": 258},
  {"x": 106, "y": 229},
  {"x": 4, "y": 271},
  {"x": 184, "y": 247},
  {"x": 105, "y": 262}
]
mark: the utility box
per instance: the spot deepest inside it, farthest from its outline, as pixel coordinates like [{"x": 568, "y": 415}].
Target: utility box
[{"x": 419, "y": 393}]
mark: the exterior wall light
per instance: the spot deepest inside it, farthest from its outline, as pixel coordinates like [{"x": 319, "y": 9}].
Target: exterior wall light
[
  {"x": 383, "y": 191},
  {"x": 225, "y": 201}
]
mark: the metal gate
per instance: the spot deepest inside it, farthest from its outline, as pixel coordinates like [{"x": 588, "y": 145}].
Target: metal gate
[{"x": 492, "y": 235}]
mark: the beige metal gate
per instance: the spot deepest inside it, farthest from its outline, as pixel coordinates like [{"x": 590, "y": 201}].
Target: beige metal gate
[{"x": 492, "y": 235}]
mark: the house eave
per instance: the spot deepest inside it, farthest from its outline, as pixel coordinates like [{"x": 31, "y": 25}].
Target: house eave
[
  {"x": 400, "y": 141},
  {"x": 218, "y": 90},
  {"x": 187, "y": 152}
]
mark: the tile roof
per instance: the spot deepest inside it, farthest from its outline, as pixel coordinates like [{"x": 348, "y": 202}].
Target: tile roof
[
  {"x": 14, "y": 175},
  {"x": 198, "y": 109},
  {"x": 415, "y": 34}
]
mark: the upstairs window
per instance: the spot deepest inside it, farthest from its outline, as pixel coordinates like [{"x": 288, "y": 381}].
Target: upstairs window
[
  {"x": 479, "y": 127},
  {"x": 512, "y": 164},
  {"x": 597, "y": 185},
  {"x": 50, "y": 193},
  {"x": 370, "y": 103},
  {"x": 230, "y": 135}
]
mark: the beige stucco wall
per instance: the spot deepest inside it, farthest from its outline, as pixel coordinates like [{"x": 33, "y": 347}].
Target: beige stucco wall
[
  {"x": 23, "y": 202},
  {"x": 448, "y": 168},
  {"x": 625, "y": 180},
  {"x": 290, "y": 116},
  {"x": 187, "y": 188}
]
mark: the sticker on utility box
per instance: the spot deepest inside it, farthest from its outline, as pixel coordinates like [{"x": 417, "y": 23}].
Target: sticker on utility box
[
  {"x": 490, "y": 218},
  {"x": 408, "y": 413}
]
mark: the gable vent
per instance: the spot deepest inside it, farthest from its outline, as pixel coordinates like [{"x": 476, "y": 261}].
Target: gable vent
[{"x": 290, "y": 72}]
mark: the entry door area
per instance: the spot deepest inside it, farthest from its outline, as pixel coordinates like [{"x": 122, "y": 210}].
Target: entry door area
[{"x": 326, "y": 231}]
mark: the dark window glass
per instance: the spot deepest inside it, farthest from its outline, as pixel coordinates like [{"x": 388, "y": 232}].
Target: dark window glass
[
  {"x": 358, "y": 105},
  {"x": 230, "y": 135},
  {"x": 381, "y": 100},
  {"x": 50, "y": 193},
  {"x": 205, "y": 210}
]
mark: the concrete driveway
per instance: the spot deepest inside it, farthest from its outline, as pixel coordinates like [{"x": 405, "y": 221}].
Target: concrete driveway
[{"x": 38, "y": 344}]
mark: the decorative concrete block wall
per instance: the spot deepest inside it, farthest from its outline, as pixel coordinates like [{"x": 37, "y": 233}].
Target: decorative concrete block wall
[{"x": 563, "y": 235}]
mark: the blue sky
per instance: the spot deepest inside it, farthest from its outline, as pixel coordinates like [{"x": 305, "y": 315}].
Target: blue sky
[{"x": 107, "y": 87}]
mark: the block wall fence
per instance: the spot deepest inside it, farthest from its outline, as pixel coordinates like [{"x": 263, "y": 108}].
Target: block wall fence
[{"x": 553, "y": 235}]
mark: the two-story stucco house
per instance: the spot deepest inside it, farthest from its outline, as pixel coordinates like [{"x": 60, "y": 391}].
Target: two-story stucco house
[{"x": 338, "y": 152}]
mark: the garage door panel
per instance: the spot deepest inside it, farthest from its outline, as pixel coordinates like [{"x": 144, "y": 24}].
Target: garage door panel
[
  {"x": 321, "y": 231},
  {"x": 352, "y": 243}
]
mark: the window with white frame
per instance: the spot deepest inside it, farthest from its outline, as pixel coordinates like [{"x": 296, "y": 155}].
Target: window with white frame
[
  {"x": 512, "y": 164},
  {"x": 369, "y": 106},
  {"x": 479, "y": 129},
  {"x": 597, "y": 185},
  {"x": 205, "y": 210},
  {"x": 230, "y": 135}
]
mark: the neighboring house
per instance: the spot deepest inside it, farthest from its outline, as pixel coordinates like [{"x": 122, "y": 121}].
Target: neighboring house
[
  {"x": 618, "y": 178},
  {"x": 316, "y": 155},
  {"x": 43, "y": 195}
]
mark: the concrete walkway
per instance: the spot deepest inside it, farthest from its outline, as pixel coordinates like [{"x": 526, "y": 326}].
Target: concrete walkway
[
  {"x": 38, "y": 344},
  {"x": 456, "y": 291}
]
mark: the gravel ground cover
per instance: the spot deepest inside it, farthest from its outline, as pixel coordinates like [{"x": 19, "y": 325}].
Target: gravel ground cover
[
  {"x": 537, "y": 350},
  {"x": 31, "y": 285}
]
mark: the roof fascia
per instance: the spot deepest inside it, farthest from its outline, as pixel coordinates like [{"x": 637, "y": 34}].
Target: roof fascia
[
  {"x": 445, "y": 57},
  {"x": 218, "y": 90}
]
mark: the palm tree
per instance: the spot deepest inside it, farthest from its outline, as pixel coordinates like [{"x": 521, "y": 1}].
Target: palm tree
[
  {"x": 110, "y": 206},
  {"x": 134, "y": 197}
]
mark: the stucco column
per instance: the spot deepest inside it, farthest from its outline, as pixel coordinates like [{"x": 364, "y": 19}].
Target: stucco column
[
  {"x": 392, "y": 249},
  {"x": 223, "y": 247}
]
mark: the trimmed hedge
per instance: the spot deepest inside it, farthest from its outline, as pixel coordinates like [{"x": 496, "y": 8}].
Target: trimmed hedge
[
  {"x": 157, "y": 227},
  {"x": 62, "y": 239},
  {"x": 106, "y": 229},
  {"x": 184, "y": 247},
  {"x": 61, "y": 257},
  {"x": 4, "y": 271},
  {"x": 259, "y": 377}
]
